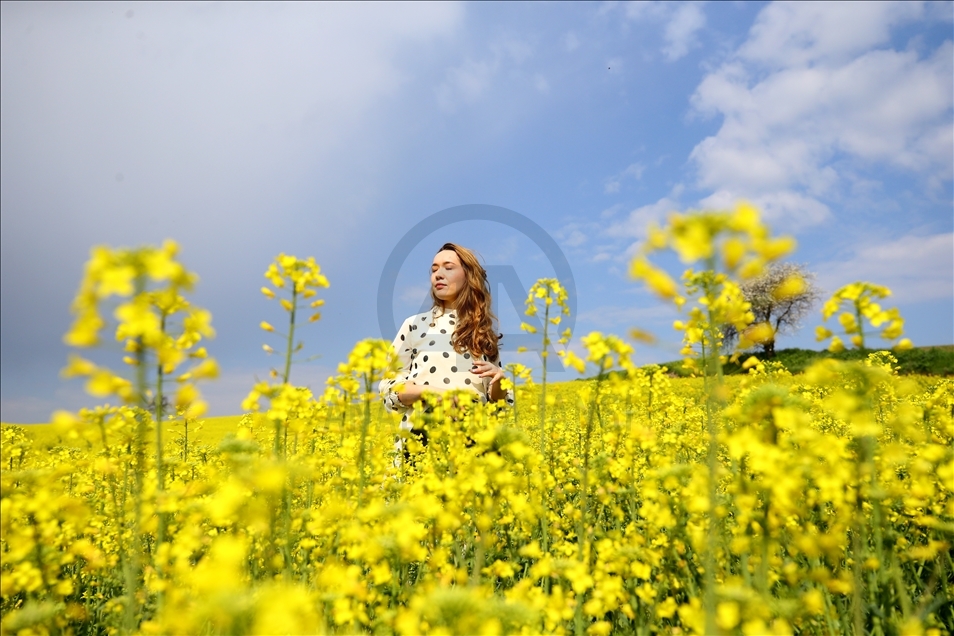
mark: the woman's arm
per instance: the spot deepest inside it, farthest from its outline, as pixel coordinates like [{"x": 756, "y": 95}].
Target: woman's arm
[
  {"x": 411, "y": 393},
  {"x": 496, "y": 391}
]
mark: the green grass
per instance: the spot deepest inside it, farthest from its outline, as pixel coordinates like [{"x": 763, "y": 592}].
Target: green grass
[{"x": 936, "y": 361}]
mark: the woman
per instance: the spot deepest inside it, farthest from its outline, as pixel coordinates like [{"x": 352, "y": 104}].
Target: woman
[{"x": 454, "y": 345}]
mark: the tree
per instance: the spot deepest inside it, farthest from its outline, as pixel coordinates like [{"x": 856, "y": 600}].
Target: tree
[{"x": 781, "y": 296}]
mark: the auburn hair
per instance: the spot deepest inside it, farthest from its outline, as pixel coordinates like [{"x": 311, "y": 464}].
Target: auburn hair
[{"x": 474, "y": 332}]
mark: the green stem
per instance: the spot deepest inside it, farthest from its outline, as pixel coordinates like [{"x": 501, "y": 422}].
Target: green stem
[
  {"x": 480, "y": 552},
  {"x": 159, "y": 414},
  {"x": 161, "y": 529},
  {"x": 513, "y": 376},
  {"x": 857, "y": 592},
  {"x": 859, "y": 538},
  {"x": 365, "y": 424},
  {"x": 291, "y": 335},
  {"x": 584, "y": 495},
  {"x": 712, "y": 364},
  {"x": 133, "y": 572},
  {"x": 543, "y": 392},
  {"x": 185, "y": 443},
  {"x": 544, "y": 531},
  {"x": 764, "y": 562},
  {"x": 581, "y": 530},
  {"x": 286, "y": 530},
  {"x": 861, "y": 329}
]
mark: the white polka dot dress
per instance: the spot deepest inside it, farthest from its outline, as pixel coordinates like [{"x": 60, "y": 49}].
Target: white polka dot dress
[{"x": 423, "y": 344}]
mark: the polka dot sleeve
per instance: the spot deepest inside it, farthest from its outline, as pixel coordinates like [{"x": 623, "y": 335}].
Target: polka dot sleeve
[{"x": 386, "y": 386}]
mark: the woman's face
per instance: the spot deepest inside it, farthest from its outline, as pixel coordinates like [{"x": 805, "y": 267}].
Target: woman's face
[{"x": 447, "y": 277}]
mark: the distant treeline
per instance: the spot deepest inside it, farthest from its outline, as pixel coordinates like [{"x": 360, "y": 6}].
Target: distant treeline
[{"x": 921, "y": 360}]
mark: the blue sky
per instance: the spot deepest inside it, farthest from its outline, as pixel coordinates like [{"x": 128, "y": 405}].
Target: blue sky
[{"x": 329, "y": 130}]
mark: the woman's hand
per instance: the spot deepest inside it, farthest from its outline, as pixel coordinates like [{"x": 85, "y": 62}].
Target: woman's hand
[{"x": 484, "y": 369}]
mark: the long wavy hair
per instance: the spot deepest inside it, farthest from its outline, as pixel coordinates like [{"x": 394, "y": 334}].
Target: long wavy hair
[{"x": 475, "y": 332}]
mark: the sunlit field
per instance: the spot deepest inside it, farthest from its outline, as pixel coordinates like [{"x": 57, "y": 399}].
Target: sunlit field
[
  {"x": 209, "y": 431},
  {"x": 632, "y": 502}
]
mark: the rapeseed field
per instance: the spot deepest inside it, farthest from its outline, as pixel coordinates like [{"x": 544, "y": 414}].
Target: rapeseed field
[{"x": 632, "y": 502}]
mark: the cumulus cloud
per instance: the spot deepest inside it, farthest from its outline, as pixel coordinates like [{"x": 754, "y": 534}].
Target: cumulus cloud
[
  {"x": 540, "y": 83},
  {"x": 611, "y": 317},
  {"x": 571, "y": 42},
  {"x": 681, "y": 30},
  {"x": 469, "y": 81},
  {"x": 612, "y": 236},
  {"x": 573, "y": 234},
  {"x": 794, "y": 210},
  {"x": 633, "y": 171},
  {"x": 806, "y": 100},
  {"x": 683, "y": 22},
  {"x": 466, "y": 83},
  {"x": 233, "y": 128},
  {"x": 187, "y": 115},
  {"x": 639, "y": 219},
  {"x": 794, "y": 34},
  {"x": 915, "y": 267}
]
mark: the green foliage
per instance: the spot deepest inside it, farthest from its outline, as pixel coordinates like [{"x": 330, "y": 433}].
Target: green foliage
[{"x": 937, "y": 361}]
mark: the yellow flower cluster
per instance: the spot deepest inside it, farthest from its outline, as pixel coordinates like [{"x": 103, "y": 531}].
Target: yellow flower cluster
[
  {"x": 542, "y": 295},
  {"x": 300, "y": 280},
  {"x": 737, "y": 242},
  {"x": 727, "y": 245},
  {"x": 158, "y": 327},
  {"x": 860, "y": 298}
]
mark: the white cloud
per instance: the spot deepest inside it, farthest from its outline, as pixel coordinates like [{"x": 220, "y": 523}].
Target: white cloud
[
  {"x": 620, "y": 318},
  {"x": 466, "y": 83},
  {"x": 915, "y": 267},
  {"x": 503, "y": 250},
  {"x": 823, "y": 99},
  {"x": 571, "y": 42},
  {"x": 787, "y": 209},
  {"x": 237, "y": 128},
  {"x": 643, "y": 10},
  {"x": 683, "y": 21},
  {"x": 469, "y": 81},
  {"x": 577, "y": 233},
  {"x": 620, "y": 235},
  {"x": 572, "y": 236},
  {"x": 413, "y": 294},
  {"x": 540, "y": 83},
  {"x": 680, "y": 35},
  {"x": 633, "y": 171},
  {"x": 638, "y": 220},
  {"x": 208, "y": 111},
  {"x": 796, "y": 34}
]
